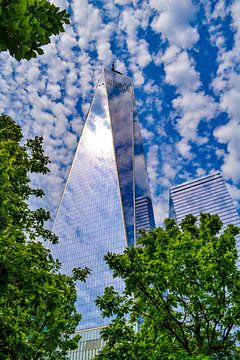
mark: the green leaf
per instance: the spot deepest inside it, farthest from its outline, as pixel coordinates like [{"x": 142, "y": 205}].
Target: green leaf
[
  {"x": 182, "y": 288},
  {"x": 40, "y": 51},
  {"x": 29, "y": 23},
  {"x": 37, "y": 303}
]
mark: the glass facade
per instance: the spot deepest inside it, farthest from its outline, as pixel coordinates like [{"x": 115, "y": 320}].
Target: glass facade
[
  {"x": 208, "y": 194},
  {"x": 89, "y": 345},
  {"x": 144, "y": 216},
  {"x": 99, "y": 210}
]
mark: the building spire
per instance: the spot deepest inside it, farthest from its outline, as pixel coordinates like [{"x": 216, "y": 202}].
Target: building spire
[{"x": 114, "y": 69}]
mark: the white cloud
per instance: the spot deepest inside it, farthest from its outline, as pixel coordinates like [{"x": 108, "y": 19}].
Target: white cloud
[
  {"x": 65, "y": 44},
  {"x": 235, "y": 193},
  {"x": 137, "y": 76},
  {"x": 200, "y": 171},
  {"x": 147, "y": 135},
  {"x": 191, "y": 105},
  {"x": 153, "y": 166},
  {"x": 92, "y": 31},
  {"x": 179, "y": 69},
  {"x": 227, "y": 86},
  {"x": 169, "y": 172},
  {"x": 150, "y": 120},
  {"x": 219, "y": 153},
  {"x": 150, "y": 87},
  {"x": 137, "y": 47},
  {"x": 184, "y": 149},
  {"x": 161, "y": 208},
  {"x": 54, "y": 90},
  {"x": 230, "y": 98},
  {"x": 173, "y": 21},
  {"x": 230, "y": 134},
  {"x": 123, "y": 2}
]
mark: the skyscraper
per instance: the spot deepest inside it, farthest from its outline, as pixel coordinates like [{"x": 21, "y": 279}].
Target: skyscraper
[
  {"x": 207, "y": 194},
  {"x": 106, "y": 199}
]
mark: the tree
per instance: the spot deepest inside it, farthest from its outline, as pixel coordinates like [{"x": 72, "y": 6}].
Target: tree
[
  {"x": 26, "y": 25},
  {"x": 37, "y": 312},
  {"x": 182, "y": 288}
]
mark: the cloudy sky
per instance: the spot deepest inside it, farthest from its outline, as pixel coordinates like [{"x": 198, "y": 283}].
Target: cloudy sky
[{"x": 184, "y": 58}]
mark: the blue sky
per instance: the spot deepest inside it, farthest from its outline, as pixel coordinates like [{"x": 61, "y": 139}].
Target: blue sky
[{"x": 184, "y": 58}]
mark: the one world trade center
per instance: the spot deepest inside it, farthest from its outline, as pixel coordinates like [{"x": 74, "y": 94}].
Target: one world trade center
[{"x": 106, "y": 200}]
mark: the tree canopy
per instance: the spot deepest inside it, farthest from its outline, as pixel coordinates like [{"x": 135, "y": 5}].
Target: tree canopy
[
  {"x": 37, "y": 311},
  {"x": 182, "y": 290},
  {"x": 26, "y": 25}
]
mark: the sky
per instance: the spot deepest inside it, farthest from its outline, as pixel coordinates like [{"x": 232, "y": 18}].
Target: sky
[{"x": 183, "y": 56}]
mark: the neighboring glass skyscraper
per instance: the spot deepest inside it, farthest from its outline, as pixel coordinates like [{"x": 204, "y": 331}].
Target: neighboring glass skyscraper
[
  {"x": 207, "y": 194},
  {"x": 106, "y": 199}
]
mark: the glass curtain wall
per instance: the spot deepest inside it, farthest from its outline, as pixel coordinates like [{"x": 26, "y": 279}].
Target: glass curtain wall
[
  {"x": 208, "y": 194},
  {"x": 106, "y": 199}
]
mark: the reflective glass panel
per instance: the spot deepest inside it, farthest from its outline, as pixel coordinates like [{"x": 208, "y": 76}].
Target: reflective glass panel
[
  {"x": 141, "y": 178},
  {"x": 90, "y": 218},
  {"x": 143, "y": 202},
  {"x": 120, "y": 100},
  {"x": 205, "y": 195}
]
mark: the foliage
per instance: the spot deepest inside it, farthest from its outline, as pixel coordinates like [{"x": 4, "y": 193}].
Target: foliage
[
  {"x": 182, "y": 289},
  {"x": 37, "y": 313},
  {"x": 26, "y": 25}
]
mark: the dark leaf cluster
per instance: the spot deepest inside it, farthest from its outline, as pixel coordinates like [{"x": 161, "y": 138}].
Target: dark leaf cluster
[
  {"x": 27, "y": 25},
  {"x": 182, "y": 294},
  {"x": 37, "y": 302}
]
